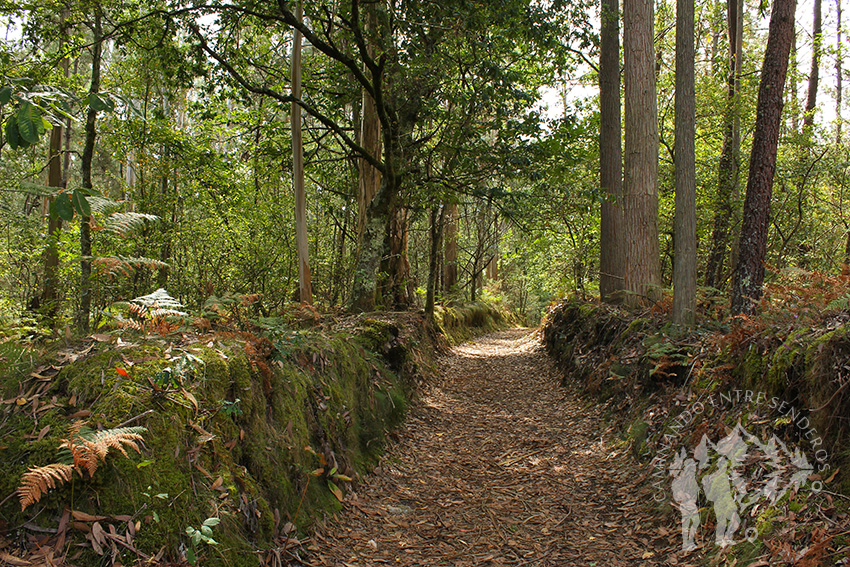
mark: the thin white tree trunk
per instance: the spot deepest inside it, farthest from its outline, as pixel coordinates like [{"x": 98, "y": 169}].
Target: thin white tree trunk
[{"x": 305, "y": 287}]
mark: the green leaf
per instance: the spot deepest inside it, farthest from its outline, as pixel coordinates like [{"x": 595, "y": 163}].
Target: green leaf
[
  {"x": 81, "y": 205},
  {"x": 12, "y": 134},
  {"x": 101, "y": 104},
  {"x": 336, "y": 491},
  {"x": 206, "y": 530},
  {"x": 5, "y": 95},
  {"x": 29, "y": 122},
  {"x": 191, "y": 557},
  {"x": 63, "y": 207},
  {"x": 211, "y": 522}
]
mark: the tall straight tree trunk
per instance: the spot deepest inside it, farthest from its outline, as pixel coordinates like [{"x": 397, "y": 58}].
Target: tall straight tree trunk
[
  {"x": 839, "y": 58},
  {"x": 643, "y": 269},
  {"x": 85, "y": 169},
  {"x": 685, "y": 229},
  {"x": 450, "y": 267},
  {"x": 370, "y": 136},
  {"x": 49, "y": 297},
  {"x": 814, "y": 73},
  {"x": 749, "y": 275},
  {"x": 57, "y": 176},
  {"x": 611, "y": 258},
  {"x": 437, "y": 217},
  {"x": 395, "y": 288},
  {"x": 792, "y": 87},
  {"x": 728, "y": 170},
  {"x": 305, "y": 287}
]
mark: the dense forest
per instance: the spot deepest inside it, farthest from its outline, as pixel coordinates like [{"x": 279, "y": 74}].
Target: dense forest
[{"x": 387, "y": 155}]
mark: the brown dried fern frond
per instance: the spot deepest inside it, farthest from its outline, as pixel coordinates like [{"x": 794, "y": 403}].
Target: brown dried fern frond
[
  {"x": 89, "y": 448},
  {"x": 38, "y": 480},
  {"x": 116, "y": 438}
]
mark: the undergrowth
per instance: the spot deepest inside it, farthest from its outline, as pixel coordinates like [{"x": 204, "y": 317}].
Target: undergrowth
[
  {"x": 254, "y": 427},
  {"x": 782, "y": 374}
]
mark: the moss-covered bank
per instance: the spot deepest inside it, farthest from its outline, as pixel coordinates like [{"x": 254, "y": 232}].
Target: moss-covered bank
[
  {"x": 663, "y": 388},
  {"x": 261, "y": 428}
]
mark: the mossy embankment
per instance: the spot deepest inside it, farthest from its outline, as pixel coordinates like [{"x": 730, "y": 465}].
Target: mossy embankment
[
  {"x": 262, "y": 428},
  {"x": 664, "y": 389},
  {"x": 459, "y": 323}
]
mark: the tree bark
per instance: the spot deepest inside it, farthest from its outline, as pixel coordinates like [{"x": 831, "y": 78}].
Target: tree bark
[
  {"x": 450, "y": 267},
  {"x": 611, "y": 259},
  {"x": 370, "y": 137},
  {"x": 85, "y": 169},
  {"x": 49, "y": 296},
  {"x": 396, "y": 288},
  {"x": 437, "y": 217},
  {"x": 642, "y": 275},
  {"x": 305, "y": 287},
  {"x": 749, "y": 275},
  {"x": 839, "y": 59},
  {"x": 814, "y": 73},
  {"x": 685, "y": 229},
  {"x": 729, "y": 166}
]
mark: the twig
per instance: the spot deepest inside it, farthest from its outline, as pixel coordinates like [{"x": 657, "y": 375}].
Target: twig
[{"x": 131, "y": 420}]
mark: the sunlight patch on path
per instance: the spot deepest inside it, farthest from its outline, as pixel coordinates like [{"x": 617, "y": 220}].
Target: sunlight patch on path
[{"x": 497, "y": 465}]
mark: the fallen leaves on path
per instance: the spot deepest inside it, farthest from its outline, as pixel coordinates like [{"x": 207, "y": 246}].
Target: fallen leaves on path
[{"x": 498, "y": 465}]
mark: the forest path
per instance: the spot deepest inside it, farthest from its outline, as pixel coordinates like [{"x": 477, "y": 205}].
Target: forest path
[{"x": 498, "y": 465}]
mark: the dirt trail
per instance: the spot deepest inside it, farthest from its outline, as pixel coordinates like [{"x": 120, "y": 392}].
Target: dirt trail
[{"x": 498, "y": 465}]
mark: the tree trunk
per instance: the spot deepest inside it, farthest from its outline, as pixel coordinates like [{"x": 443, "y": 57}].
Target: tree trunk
[
  {"x": 685, "y": 237},
  {"x": 814, "y": 73},
  {"x": 728, "y": 170},
  {"x": 611, "y": 259},
  {"x": 792, "y": 88},
  {"x": 85, "y": 169},
  {"x": 395, "y": 288},
  {"x": 450, "y": 267},
  {"x": 49, "y": 297},
  {"x": 642, "y": 275},
  {"x": 365, "y": 284},
  {"x": 370, "y": 136},
  {"x": 838, "y": 64},
  {"x": 749, "y": 275},
  {"x": 305, "y": 287},
  {"x": 434, "y": 258}
]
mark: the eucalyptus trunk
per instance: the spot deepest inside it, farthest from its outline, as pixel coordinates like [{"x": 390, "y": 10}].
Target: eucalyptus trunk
[
  {"x": 450, "y": 265},
  {"x": 685, "y": 223},
  {"x": 85, "y": 169},
  {"x": 643, "y": 269},
  {"x": 305, "y": 287},
  {"x": 611, "y": 258}
]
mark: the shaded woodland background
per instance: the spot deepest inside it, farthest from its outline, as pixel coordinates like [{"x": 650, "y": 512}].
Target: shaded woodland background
[{"x": 463, "y": 131}]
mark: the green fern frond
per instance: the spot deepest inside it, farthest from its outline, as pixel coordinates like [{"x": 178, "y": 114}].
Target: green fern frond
[
  {"x": 125, "y": 223},
  {"x": 100, "y": 204}
]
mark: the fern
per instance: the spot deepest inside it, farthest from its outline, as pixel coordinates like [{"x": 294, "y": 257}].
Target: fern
[
  {"x": 151, "y": 313},
  {"x": 125, "y": 223},
  {"x": 113, "y": 266},
  {"x": 87, "y": 449},
  {"x": 38, "y": 480}
]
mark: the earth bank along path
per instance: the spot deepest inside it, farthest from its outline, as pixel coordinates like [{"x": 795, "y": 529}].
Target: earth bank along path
[{"x": 499, "y": 465}]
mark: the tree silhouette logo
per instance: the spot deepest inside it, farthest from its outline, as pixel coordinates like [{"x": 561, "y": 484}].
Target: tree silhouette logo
[{"x": 734, "y": 474}]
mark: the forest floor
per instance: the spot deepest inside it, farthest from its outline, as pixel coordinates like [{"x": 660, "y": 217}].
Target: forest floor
[{"x": 497, "y": 464}]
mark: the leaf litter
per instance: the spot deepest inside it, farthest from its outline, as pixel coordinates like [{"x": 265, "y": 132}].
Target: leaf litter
[{"x": 499, "y": 465}]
